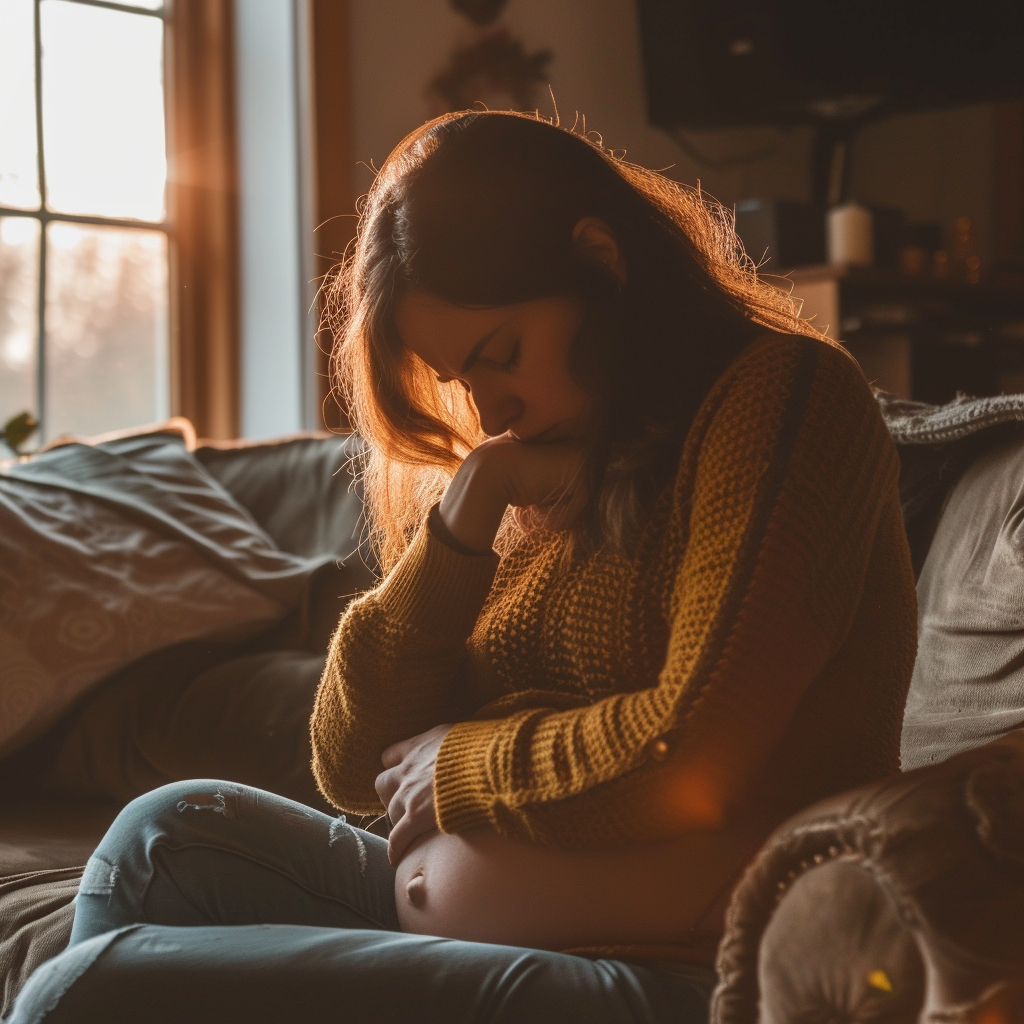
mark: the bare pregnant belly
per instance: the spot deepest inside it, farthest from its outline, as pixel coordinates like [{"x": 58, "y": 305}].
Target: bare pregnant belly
[{"x": 486, "y": 888}]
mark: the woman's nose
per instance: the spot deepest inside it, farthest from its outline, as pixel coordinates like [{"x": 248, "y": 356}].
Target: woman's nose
[{"x": 497, "y": 410}]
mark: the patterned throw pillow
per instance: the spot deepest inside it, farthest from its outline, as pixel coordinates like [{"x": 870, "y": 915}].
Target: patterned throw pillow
[{"x": 109, "y": 552}]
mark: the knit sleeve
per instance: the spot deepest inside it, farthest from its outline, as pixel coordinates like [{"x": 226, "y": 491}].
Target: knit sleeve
[
  {"x": 393, "y": 664},
  {"x": 783, "y": 480}
]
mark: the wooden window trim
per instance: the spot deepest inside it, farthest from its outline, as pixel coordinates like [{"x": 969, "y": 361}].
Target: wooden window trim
[
  {"x": 203, "y": 212},
  {"x": 333, "y": 165}
]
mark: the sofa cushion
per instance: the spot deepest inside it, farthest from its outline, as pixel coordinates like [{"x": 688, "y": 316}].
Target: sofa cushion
[
  {"x": 242, "y": 717},
  {"x": 300, "y": 489},
  {"x": 968, "y": 681},
  {"x": 36, "y": 911},
  {"x": 40, "y": 831},
  {"x": 109, "y": 552}
]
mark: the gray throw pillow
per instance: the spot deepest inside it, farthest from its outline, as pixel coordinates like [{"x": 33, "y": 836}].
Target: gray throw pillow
[{"x": 968, "y": 682}]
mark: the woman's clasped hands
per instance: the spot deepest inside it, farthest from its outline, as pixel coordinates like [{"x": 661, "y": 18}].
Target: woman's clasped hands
[{"x": 500, "y": 472}]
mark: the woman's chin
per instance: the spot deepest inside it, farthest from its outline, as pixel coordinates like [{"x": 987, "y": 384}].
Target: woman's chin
[{"x": 560, "y": 431}]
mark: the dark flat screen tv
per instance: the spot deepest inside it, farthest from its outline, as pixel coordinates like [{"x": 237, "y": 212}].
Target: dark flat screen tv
[{"x": 724, "y": 63}]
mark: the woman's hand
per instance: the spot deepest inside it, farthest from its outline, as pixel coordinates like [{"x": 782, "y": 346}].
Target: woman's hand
[
  {"x": 502, "y": 472},
  {"x": 406, "y": 788}
]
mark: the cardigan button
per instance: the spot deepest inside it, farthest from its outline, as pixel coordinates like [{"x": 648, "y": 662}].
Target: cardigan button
[{"x": 658, "y": 749}]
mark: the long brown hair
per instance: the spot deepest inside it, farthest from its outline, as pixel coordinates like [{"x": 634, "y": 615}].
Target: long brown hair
[{"x": 478, "y": 209}]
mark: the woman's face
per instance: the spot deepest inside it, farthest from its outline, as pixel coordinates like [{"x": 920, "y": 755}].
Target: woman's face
[{"x": 513, "y": 360}]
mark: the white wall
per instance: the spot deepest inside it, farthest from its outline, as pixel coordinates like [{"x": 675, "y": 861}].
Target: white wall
[
  {"x": 399, "y": 45},
  {"x": 272, "y": 315},
  {"x": 936, "y": 165}
]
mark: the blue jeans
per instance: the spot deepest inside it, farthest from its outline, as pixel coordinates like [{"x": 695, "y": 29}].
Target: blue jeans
[{"x": 211, "y": 901}]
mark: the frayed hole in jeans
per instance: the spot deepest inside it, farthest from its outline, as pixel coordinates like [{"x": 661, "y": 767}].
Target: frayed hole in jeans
[
  {"x": 340, "y": 827},
  {"x": 195, "y": 802},
  {"x": 99, "y": 878}
]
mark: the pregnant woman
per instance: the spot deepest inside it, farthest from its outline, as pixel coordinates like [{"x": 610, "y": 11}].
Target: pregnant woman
[{"x": 646, "y": 593}]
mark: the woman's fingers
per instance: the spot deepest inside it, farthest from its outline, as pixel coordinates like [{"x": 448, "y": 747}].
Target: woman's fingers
[
  {"x": 399, "y": 839},
  {"x": 387, "y": 784},
  {"x": 406, "y": 788},
  {"x": 413, "y": 822},
  {"x": 395, "y": 754}
]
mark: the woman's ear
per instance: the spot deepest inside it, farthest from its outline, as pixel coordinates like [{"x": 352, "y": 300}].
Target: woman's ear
[{"x": 593, "y": 239}]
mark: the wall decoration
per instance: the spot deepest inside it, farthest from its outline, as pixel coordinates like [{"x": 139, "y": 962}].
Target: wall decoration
[
  {"x": 493, "y": 68},
  {"x": 481, "y": 12}
]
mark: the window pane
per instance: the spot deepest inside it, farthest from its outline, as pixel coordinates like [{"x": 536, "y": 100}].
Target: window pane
[
  {"x": 149, "y": 5},
  {"x": 106, "y": 328},
  {"x": 19, "y": 304},
  {"x": 19, "y": 184},
  {"x": 103, "y": 111}
]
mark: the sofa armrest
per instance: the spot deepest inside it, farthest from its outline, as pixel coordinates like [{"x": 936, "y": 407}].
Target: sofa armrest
[{"x": 920, "y": 875}]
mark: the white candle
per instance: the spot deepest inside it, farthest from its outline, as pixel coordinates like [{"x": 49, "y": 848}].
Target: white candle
[{"x": 850, "y": 235}]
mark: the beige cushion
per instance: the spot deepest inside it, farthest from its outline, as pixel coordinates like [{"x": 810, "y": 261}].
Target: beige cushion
[{"x": 968, "y": 682}]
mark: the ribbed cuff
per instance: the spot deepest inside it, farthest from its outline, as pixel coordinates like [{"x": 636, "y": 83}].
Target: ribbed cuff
[
  {"x": 463, "y": 792},
  {"x": 437, "y": 589}
]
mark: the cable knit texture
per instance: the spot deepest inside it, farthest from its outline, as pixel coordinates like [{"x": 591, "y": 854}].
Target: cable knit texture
[{"x": 756, "y": 646}]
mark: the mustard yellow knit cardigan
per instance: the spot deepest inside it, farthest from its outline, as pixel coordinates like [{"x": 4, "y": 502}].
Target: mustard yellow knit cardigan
[{"x": 756, "y": 647}]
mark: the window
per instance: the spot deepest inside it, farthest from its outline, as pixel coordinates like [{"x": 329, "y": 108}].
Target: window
[{"x": 84, "y": 247}]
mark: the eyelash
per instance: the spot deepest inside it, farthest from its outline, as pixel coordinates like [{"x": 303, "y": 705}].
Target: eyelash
[
  {"x": 508, "y": 366},
  {"x": 513, "y": 360}
]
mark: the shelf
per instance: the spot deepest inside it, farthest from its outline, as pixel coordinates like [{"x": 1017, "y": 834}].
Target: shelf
[
  {"x": 894, "y": 282},
  {"x": 918, "y": 336}
]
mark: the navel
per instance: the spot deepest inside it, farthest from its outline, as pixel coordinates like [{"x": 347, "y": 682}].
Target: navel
[{"x": 416, "y": 890}]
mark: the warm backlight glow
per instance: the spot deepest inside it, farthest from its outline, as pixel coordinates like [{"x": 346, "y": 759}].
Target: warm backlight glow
[
  {"x": 103, "y": 111},
  {"x": 991, "y": 1016},
  {"x": 879, "y": 980},
  {"x": 19, "y": 186},
  {"x": 104, "y": 155},
  {"x": 697, "y": 799},
  {"x": 19, "y": 296}
]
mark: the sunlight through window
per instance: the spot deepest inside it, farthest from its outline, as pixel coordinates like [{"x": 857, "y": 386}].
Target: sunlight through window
[
  {"x": 103, "y": 111},
  {"x": 83, "y": 241},
  {"x": 19, "y": 288},
  {"x": 19, "y": 181}
]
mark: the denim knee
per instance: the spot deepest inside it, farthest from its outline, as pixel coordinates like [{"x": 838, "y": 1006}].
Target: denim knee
[
  {"x": 118, "y": 873},
  {"x": 159, "y": 812}
]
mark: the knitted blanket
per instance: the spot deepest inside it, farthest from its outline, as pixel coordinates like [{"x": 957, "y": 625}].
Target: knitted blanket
[{"x": 936, "y": 444}]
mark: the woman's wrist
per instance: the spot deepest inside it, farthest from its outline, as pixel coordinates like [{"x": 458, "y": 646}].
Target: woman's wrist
[{"x": 472, "y": 508}]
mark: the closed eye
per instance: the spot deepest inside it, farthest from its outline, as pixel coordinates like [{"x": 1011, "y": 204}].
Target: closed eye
[
  {"x": 508, "y": 366},
  {"x": 513, "y": 360}
]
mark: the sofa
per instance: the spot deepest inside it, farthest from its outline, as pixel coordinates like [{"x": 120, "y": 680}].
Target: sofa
[
  {"x": 900, "y": 901},
  {"x": 209, "y": 706}
]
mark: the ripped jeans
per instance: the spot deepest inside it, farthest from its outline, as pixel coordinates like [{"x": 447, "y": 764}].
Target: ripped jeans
[{"x": 211, "y": 901}]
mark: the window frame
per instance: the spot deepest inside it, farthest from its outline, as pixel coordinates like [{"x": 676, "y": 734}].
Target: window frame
[
  {"x": 44, "y": 216},
  {"x": 200, "y": 212}
]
